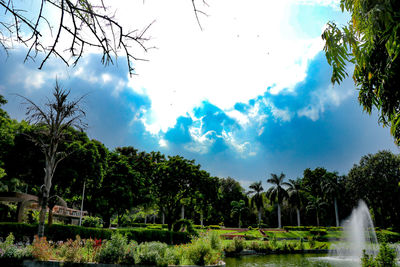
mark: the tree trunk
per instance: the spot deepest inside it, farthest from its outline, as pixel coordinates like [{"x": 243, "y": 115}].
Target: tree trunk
[
  {"x": 183, "y": 212},
  {"x": 239, "y": 221},
  {"x": 317, "y": 219},
  {"x": 145, "y": 219},
  {"x": 201, "y": 219},
  {"x": 259, "y": 217},
  {"x": 163, "y": 218},
  {"x": 279, "y": 216},
  {"x": 50, "y": 218},
  {"x": 298, "y": 216},
  {"x": 336, "y": 212},
  {"x": 43, "y": 211}
]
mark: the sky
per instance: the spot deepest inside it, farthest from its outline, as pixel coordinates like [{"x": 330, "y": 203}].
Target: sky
[{"x": 247, "y": 95}]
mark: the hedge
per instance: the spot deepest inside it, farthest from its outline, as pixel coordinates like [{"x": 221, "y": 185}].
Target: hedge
[{"x": 62, "y": 232}]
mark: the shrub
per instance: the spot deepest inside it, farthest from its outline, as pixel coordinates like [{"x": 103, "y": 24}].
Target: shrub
[
  {"x": 385, "y": 258},
  {"x": 199, "y": 252},
  {"x": 205, "y": 250},
  {"x": 11, "y": 251},
  {"x": 236, "y": 246},
  {"x": 215, "y": 227},
  {"x": 41, "y": 249},
  {"x": 113, "y": 251},
  {"x": 130, "y": 252},
  {"x": 71, "y": 251},
  {"x": 151, "y": 253},
  {"x": 311, "y": 241},
  {"x": 58, "y": 232},
  {"x": 183, "y": 225},
  {"x": 89, "y": 221}
]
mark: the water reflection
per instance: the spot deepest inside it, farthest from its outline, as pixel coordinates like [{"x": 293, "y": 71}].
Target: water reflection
[{"x": 289, "y": 260}]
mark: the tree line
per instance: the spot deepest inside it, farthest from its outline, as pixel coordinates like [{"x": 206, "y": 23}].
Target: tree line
[{"x": 127, "y": 185}]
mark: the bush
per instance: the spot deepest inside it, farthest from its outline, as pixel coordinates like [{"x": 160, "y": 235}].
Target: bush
[
  {"x": 184, "y": 225},
  {"x": 89, "y": 221},
  {"x": 41, "y": 249},
  {"x": 215, "y": 227},
  {"x": 205, "y": 250},
  {"x": 151, "y": 253},
  {"x": 234, "y": 247},
  {"x": 113, "y": 251},
  {"x": 57, "y": 232},
  {"x": 385, "y": 258},
  {"x": 11, "y": 251}
]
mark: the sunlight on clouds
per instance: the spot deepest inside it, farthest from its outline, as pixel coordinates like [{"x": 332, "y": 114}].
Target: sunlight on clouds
[{"x": 244, "y": 48}]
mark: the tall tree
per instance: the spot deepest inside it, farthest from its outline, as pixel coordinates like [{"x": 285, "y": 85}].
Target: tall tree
[
  {"x": 238, "y": 207},
  {"x": 257, "y": 198},
  {"x": 54, "y": 119},
  {"x": 370, "y": 41},
  {"x": 317, "y": 204},
  {"x": 295, "y": 192},
  {"x": 277, "y": 193},
  {"x": 330, "y": 186}
]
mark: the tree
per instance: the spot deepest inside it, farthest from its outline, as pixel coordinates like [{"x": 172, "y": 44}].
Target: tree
[
  {"x": 54, "y": 120},
  {"x": 370, "y": 41},
  {"x": 257, "y": 198},
  {"x": 230, "y": 190},
  {"x": 375, "y": 179},
  {"x": 295, "y": 192},
  {"x": 121, "y": 188},
  {"x": 330, "y": 186},
  {"x": 238, "y": 207},
  {"x": 277, "y": 193},
  {"x": 317, "y": 204},
  {"x": 81, "y": 24},
  {"x": 174, "y": 179}
]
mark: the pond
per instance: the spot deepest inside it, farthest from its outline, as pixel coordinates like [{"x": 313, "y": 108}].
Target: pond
[{"x": 289, "y": 260}]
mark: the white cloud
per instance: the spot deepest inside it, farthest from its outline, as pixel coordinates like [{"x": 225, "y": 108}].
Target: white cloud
[{"x": 245, "y": 48}]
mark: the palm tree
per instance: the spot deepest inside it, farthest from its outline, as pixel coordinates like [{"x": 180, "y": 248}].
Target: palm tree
[
  {"x": 295, "y": 191},
  {"x": 277, "y": 192},
  {"x": 317, "y": 204},
  {"x": 330, "y": 187},
  {"x": 257, "y": 198},
  {"x": 237, "y": 208}
]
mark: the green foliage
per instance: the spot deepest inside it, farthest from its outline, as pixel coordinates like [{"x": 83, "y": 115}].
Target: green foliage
[
  {"x": 214, "y": 227},
  {"x": 370, "y": 41},
  {"x": 204, "y": 250},
  {"x": 385, "y": 258},
  {"x": 184, "y": 225},
  {"x": 151, "y": 253},
  {"x": 113, "y": 250},
  {"x": 11, "y": 251},
  {"x": 90, "y": 221},
  {"x": 235, "y": 247},
  {"x": 58, "y": 232}
]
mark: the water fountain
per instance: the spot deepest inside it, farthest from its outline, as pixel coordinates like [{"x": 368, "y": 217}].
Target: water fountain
[{"x": 359, "y": 235}]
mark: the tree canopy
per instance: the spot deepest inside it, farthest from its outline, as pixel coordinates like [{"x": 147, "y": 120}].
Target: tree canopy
[{"x": 371, "y": 42}]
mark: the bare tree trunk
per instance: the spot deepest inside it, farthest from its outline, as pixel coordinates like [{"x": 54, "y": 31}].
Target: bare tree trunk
[
  {"x": 317, "y": 219},
  {"x": 239, "y": 221},
  {"x": 298, "y": 216},
  {"x": 279, "y": 216},
  {"x": 336, "y": 212},
  {"x": 163, "y": 218},
  {"x": 201, "y": 219},
  {"x": 183, "y": 212},
  {"x": 145, "y": 219},
  {"x": 43, "y": 211}
]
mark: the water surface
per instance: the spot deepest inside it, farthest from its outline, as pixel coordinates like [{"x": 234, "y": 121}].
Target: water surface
[{"x": 289, "y": 260}]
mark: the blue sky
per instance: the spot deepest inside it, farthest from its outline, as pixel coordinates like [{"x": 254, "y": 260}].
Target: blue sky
[{"x": 248, "y": 96}]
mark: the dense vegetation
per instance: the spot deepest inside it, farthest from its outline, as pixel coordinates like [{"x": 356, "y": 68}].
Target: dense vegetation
[{"x": 126, "y": 186}]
